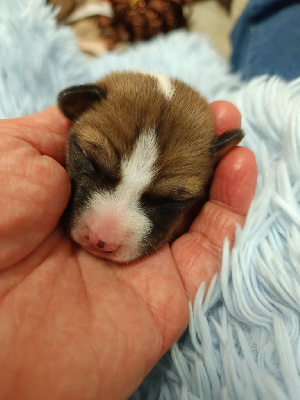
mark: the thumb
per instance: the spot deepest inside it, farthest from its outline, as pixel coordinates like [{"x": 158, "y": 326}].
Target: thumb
[
  {"x": 198, "y": 253},
  {"x": 46, "y": 131},
  {"x": 34, "y": 187}
]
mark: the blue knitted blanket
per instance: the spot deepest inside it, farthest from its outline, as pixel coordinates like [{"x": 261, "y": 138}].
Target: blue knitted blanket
[{"x": 243, "y": 340}]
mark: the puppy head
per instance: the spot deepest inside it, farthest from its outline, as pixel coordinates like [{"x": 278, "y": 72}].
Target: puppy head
[{"x": 141, "y": 152}]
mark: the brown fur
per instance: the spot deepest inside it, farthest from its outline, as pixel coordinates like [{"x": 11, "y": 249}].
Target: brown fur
[{"x": 185, "y": 129}]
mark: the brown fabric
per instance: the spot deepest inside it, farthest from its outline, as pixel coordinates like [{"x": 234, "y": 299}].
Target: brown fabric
[{"x": 142, "y": 19}]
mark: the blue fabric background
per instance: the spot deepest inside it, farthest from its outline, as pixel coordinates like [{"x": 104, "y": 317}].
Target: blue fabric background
[{"x": 266, "y": 39}]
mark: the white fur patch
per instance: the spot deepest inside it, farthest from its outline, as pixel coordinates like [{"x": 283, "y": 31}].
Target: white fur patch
[
  {"x": 122, "y": 205},
  {"x": 137, "y": 170},
  {"x": 165, "y": 84}
]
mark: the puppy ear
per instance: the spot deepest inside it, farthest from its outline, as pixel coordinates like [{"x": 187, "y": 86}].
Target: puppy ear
[
  {"x": 75, "y": 100},
  {"x": 225, "y": 142}
]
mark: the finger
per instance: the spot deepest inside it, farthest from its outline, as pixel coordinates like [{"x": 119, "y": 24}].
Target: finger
[
  {"x": 35, "y": 191},
  {"x": 46, "y": 131},
  {"x": 227, "y": 116},
  {"x": 235, "y": 181},
  {"x": 198, "y": 253}
]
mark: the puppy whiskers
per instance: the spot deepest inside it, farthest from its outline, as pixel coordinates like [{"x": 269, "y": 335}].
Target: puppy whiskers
[{"x": 150, "y": 244}]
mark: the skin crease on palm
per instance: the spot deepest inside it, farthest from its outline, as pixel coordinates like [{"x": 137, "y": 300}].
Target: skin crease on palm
[{"x": 76, "y": 327}]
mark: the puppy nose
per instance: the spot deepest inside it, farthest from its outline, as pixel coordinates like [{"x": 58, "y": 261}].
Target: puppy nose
[
  {"x": 100, "y": 244},
  {"x": 107, "y": 246}
]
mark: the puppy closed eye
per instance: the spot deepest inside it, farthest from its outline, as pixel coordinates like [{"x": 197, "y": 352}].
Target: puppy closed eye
[
  {"x": 87, "y": 166},
  {"x": 155, "y": 201}
]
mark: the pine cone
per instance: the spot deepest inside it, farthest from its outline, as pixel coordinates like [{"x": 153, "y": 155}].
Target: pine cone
[{"x": 142, "y": 19}]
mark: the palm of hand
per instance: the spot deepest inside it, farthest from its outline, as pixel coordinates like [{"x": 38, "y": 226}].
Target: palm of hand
[{"x": 73, "y": 325}]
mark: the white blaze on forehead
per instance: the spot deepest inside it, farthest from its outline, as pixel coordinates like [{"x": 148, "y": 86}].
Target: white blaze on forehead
[{"x": 138, "y": 168}]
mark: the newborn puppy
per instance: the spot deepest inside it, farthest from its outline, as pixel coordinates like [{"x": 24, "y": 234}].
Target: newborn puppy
[{"x": 141, "y": 152}]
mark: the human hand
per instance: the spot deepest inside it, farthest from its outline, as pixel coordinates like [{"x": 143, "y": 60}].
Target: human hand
[{"x": 73, "y": 326}]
